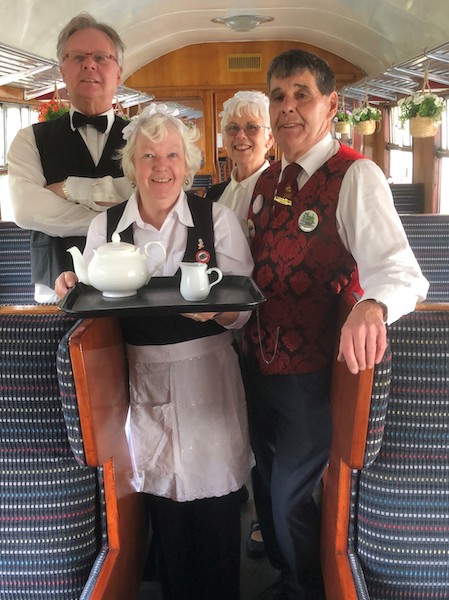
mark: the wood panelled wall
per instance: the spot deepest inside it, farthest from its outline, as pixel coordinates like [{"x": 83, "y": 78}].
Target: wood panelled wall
[
  {"x": 201, "y": 71},
  {"x": 11, "y": 94}
]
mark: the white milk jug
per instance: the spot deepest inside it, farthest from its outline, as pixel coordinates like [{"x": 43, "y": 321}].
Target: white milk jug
[{"x": 195, "y": 284}]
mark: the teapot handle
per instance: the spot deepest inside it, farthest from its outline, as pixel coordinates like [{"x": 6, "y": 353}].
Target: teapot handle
[{"x": 164, "y": 255}]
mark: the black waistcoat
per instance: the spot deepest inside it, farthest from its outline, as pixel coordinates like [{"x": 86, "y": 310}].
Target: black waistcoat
[
  {"x": 215, "y": 191},
  {"x": 63, "y": 153},
  {"x": 170, "y": 329}
]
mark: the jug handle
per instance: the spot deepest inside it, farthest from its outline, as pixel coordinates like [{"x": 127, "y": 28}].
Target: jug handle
[{"x": 219, "y": 273}]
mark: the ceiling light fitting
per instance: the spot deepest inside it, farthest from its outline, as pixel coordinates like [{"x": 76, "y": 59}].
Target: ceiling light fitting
[{"x": 242, "y": 22}]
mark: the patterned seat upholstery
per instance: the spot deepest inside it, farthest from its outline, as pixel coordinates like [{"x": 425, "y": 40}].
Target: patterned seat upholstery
[
  {"x": 49, "y": 520},
  {"x": 66, "y": 499},
  {"x": 386, "y": 523},
  {"x": 428, "y": 235},
  {"x": 69, "y": 406},
  {"x": 15, "y": 265},
  {"x": 408, "y": 197},
  {"x": 200, "y": 184},
  {"x": 93, "y": 378}
]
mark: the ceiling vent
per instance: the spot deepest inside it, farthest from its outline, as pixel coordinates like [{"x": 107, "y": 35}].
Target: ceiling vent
[{"x": 244, "y": 62}]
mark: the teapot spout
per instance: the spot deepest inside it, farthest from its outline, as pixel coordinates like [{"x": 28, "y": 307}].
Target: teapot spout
[{"x": 79, "y": 265}]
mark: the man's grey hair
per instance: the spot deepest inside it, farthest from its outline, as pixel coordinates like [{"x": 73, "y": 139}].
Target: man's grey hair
[{"x": 86, "y": 21}]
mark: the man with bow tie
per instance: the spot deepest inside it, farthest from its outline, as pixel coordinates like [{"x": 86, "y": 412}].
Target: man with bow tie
[{"x": 62, "y": 173}]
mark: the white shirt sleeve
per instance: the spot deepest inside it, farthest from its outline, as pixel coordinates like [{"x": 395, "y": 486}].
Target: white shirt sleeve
[
  {"x": 89, "y": 192},
  {"x": 37, "y": 208},
  {"x": 96, "y": 236},
  {"x": 232, "y": 250},
  {"x": 370, "y": 228}
]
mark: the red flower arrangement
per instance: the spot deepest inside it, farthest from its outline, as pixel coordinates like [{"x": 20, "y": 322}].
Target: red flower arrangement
[{"x": 51, "y": 110}]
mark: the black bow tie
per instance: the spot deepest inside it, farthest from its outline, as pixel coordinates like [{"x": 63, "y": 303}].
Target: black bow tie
[{"x": 100, "y": 122}]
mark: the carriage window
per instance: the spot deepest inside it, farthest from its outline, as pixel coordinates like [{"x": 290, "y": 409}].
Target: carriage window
[
  {"x": 12, "y": 118},
  {"x": 400, "y": 147}
]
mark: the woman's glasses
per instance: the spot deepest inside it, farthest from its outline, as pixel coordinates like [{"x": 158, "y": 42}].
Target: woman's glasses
[
  {"x": 250, "y": 128},
  {"x": 100, "y": 58}
]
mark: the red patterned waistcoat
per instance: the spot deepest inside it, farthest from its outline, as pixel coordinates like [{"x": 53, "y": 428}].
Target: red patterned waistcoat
[{"x": 301, "y": 267}]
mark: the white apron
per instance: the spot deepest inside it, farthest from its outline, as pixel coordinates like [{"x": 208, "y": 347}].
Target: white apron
[{"x": 187, "y": 425}]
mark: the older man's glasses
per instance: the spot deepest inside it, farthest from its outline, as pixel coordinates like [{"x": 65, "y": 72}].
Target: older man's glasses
[
  {"x": 100, "y": 58},
  {"x": 250, "y": 128}
]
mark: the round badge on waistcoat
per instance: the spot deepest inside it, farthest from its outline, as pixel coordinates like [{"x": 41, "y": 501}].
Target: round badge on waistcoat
[
  {"x": 202, "y": 256},
  {"x": 257, "y": 204},
  {"x": 307, "y": 221},
  {"x": 251, "y": 229}
]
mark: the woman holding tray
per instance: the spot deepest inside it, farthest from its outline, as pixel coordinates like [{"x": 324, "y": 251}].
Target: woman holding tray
[{"x": 187, "y": 422}]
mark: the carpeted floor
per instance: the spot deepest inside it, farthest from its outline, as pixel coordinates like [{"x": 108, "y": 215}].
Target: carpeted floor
[{"x": 257, "y": 574}]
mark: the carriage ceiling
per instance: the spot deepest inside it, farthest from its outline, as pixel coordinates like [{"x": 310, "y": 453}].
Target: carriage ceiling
[{"x": 374, "y": 35}]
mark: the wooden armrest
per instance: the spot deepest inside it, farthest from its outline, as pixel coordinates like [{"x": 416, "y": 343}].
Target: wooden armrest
[
  {"x": 100, "y": 373},
  {"x": 350, "y": 399},
  {"x": 433, "y": 306},
  {"x": 30, "y": 309},
  {"x": 101, "y": 379}
]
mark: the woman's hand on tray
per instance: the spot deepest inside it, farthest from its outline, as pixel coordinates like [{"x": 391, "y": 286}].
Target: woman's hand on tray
[
  {"x": 222, "y": 318},
  {"x": 65, "y": 282}
]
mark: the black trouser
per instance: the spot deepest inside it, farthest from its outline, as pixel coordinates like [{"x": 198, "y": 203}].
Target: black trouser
[
  {"x": 198, "y": 547},
  {"x": 290, "y": 429}
]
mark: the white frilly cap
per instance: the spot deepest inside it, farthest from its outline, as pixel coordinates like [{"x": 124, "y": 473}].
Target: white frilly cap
[{"x": 152, "y": 109}]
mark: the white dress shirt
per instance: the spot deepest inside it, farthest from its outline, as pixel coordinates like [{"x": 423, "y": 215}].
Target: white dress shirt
[
  {"x": 371, "y": 230},
  {"x": 237, "y": 195},
  {"x": 40, "y": 209}
]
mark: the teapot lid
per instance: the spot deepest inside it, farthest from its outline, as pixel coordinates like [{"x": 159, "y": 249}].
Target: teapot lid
[{"x": 116, "y": 245}]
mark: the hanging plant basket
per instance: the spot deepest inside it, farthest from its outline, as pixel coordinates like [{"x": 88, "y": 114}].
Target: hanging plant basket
[
  {"x": 342, "y": 127},
  {"x": 423, "y": 110},
  {"x": 53, "y": 109},
  {"x": 366, "y": 127},
  {"x": 423, "y": 127}
]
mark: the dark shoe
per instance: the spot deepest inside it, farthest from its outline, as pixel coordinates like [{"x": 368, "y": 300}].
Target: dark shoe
[
  {"x": 274, "y": 592},
  {"x": 254, "y": 549}
]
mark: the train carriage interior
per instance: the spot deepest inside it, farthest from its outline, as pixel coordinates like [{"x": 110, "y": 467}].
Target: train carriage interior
[{"x": 385, "y": 521}]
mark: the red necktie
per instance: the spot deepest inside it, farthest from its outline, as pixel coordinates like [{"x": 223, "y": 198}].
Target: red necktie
[{"x": 288, "y": 186}]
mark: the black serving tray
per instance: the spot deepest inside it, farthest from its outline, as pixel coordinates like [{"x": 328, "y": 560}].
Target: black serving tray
[{"x": 161, "y": 296}]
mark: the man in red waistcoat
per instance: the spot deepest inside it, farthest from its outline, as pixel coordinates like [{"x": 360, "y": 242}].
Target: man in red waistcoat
[{"x": 325, "y": 224}]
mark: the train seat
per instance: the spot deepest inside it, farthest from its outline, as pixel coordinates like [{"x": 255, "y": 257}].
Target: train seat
[
  {"x": 428, "y": 236},
  {"x": 200, "y": 184},
  {"x": 59, "y": 536},
  {"x": 408, "y": 197},
  {"x": 15, "y": 265},
  {"x": 93, "y": 377},
  {"x": 385, "y": 518}
]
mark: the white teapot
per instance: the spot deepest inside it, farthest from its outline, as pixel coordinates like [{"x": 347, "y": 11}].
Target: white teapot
[{"x": 117, "y": 269}]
